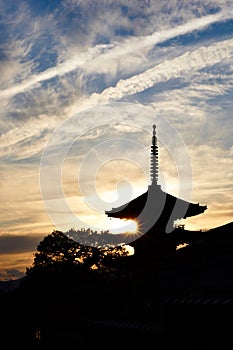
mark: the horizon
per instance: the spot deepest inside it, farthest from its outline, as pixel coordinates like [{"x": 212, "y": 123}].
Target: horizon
[{"x": 81, "y": 86}]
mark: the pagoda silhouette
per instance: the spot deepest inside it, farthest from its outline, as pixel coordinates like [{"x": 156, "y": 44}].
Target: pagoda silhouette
[{"x": 155, "y": 212}]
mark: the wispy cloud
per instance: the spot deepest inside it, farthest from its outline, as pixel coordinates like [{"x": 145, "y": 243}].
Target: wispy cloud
[
  {"x": 115, "y": 51},
  {"x": 12, "y": 244},
  {"x": 181, "y": 66}
]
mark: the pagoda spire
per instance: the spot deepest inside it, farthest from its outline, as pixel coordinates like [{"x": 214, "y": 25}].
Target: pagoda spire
[{"x": 154, "y": 166}]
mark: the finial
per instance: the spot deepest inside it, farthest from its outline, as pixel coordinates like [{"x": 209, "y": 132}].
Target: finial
[{"x": 154, "y": 167}]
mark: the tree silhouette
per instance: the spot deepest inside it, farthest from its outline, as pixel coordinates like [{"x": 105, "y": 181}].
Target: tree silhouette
[{"x": 59, "y": 252}]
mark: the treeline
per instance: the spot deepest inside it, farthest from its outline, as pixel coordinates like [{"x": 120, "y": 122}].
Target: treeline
[{"x": 94, "y": 238}]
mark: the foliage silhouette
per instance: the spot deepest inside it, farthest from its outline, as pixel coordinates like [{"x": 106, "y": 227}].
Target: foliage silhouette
[
  {"x": 93, "y": 238},
  {"x": 58, "y": 252}
]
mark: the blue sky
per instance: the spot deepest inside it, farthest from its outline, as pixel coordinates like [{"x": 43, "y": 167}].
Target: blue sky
[{"x": 81, "y": 84}]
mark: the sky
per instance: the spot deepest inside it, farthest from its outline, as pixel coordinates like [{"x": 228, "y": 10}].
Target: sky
[{"x": 82, "y": 83}]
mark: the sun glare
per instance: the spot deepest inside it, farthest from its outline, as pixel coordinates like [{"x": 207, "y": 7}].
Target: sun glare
[
  {"x": 132, "y": 226},
  {"x": 122, "y": 226}
]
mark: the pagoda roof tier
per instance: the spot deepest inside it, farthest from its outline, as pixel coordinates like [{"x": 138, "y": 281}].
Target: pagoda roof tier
[{"x": 156, "y": 208}]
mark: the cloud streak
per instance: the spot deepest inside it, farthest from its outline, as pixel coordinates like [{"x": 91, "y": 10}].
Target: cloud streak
[
  {"x": 188, "y": 63},
  {"x": 99, "y": 55},
  {"x": 12, "y": 244}
]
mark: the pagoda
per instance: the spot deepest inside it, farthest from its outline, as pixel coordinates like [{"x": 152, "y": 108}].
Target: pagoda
[{"x": 155, "y": 212}]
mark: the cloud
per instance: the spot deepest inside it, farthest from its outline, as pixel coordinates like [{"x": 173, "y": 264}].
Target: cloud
[
  {"x": 8, "y": 70},
  {"x": 180, "y": 66},
  {"x": 191, "y": 62},
  {"x": 21, "y": 209},
  {"x": 13, "y": 266},
  {"x": 97, "y": 55},
  {"x": 14, "y": 244}
]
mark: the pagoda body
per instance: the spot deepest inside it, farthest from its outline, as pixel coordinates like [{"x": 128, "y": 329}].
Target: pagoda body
[{"x": 155, "y": 212}]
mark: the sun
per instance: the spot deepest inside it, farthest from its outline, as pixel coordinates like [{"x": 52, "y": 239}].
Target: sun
[
  {"x": 132, "y": 226},
  {"x": 123, "y": 226}
]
